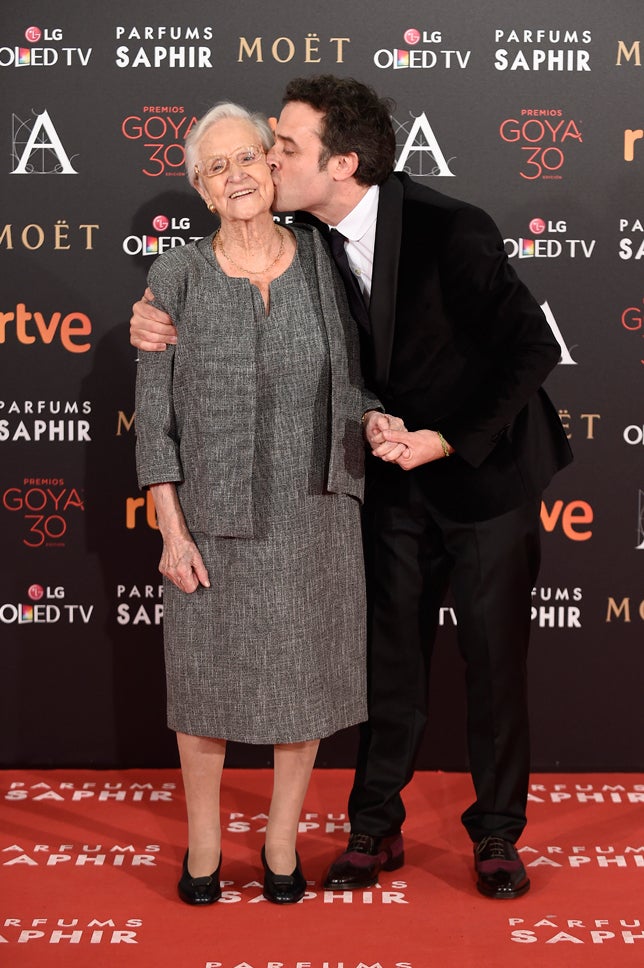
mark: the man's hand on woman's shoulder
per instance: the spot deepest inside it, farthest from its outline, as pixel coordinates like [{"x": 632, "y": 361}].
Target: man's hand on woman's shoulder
[{"x": 150, "y": 328}]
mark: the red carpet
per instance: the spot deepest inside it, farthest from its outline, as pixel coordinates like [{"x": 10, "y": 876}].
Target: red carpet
[{"x": 89, "y": 863}]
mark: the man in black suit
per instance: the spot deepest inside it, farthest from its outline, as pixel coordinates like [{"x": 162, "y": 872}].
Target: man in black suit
[{"x": 454, "y": 344}]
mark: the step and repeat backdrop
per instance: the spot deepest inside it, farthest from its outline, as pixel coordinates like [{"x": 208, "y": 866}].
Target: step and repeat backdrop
[{"x": 533, "y": 111}]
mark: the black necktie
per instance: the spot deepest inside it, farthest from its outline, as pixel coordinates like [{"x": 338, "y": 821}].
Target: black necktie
[{"x": 357, "y": 304}]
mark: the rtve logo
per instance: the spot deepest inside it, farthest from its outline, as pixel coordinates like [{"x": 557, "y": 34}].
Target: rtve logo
[
  {"x": 137, "y": 506},
  {"x": 574, "y": 518},
  {"x": 631, "y": 136},
  {"x": 29, "y": 328}
]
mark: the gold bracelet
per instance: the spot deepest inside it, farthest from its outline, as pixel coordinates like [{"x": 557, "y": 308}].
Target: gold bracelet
[{"x": 444, "y": 443}]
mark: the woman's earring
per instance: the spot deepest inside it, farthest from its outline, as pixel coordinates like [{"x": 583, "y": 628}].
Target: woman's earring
[{"x": 211, "y": 208}]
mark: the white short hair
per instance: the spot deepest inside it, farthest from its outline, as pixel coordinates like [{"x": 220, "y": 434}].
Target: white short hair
[{"x": 225, "y": 109}]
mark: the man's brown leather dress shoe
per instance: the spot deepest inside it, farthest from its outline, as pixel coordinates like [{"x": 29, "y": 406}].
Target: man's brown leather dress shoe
[
  {"x": 363, "y": 860},
  {"x": 500, "y": 871}
]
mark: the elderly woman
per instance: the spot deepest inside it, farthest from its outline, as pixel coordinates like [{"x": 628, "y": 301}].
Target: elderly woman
[{"x": 249, "y": 436}]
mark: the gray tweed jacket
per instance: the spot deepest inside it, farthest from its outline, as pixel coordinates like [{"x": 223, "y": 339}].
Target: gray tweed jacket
[{"x": 196, "y": 402}]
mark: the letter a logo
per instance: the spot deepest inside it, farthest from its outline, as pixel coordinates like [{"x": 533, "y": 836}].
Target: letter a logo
[
  {"x": 43, "y": 144},
  {"x": 423, "y": 144},
  {"x": 640, "y": 522}
]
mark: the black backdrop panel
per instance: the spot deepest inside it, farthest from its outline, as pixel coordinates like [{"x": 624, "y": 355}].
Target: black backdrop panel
[{"x": 536, "y": 115}]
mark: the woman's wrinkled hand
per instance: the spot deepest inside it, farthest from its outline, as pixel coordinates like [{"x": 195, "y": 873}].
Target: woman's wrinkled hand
[
  {"x": 182, "y": 564},
  {"x": 375, "y": 425}
]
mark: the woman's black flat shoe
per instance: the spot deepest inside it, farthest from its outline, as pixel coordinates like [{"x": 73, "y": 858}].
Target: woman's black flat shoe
[
  {"x": 199, "y": 890},
  {"x": 283, "y": 888}
]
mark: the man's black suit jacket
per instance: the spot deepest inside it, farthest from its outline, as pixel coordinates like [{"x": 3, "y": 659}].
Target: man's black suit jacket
[{"x": 458, "y": 344}]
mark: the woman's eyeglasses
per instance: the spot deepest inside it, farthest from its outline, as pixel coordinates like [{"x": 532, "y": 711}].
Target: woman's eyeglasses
[{"x": 218, "y": 164}]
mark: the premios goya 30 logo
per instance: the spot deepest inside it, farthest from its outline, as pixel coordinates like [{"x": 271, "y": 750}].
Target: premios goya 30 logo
[
  {"x": 161, "y": 130},
  {"x": 47, "y": 507},
  {"x": 544, "y": 137}
]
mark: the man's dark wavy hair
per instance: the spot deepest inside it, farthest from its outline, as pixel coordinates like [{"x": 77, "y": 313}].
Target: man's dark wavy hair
[{"x": 356, "y": 119}]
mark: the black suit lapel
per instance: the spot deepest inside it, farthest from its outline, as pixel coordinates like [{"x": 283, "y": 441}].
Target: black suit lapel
[{"x": 384, "y": 280}]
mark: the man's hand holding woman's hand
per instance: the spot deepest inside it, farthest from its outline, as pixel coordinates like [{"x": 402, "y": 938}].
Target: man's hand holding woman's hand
[
  {"x": 392, "y": 442},
  {"x": 376, "y": 425},
  {"x": 419, "y": 446}
]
